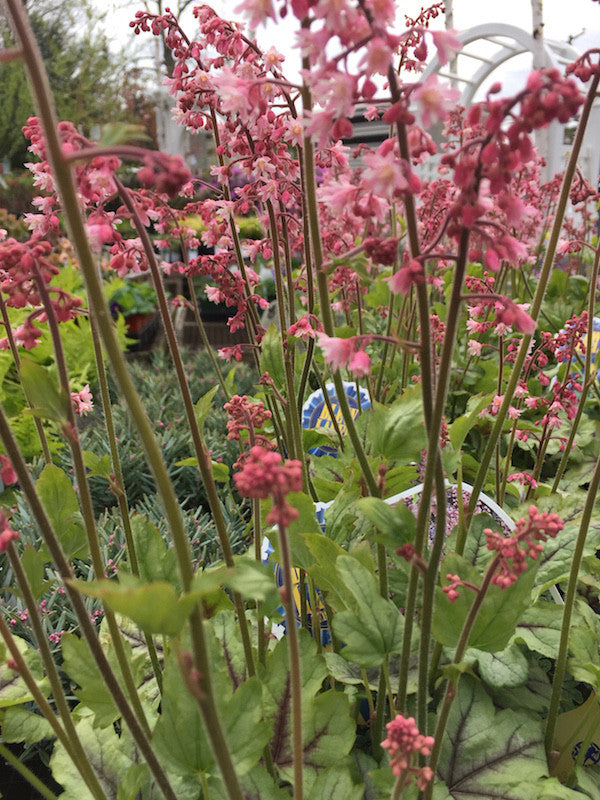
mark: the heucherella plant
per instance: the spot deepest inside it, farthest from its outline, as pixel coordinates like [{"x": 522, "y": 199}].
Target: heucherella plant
[{"x": 405, "y": 599}]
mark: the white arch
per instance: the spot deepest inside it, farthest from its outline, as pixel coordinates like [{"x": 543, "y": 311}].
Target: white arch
[{"x": 512, "y": 41}]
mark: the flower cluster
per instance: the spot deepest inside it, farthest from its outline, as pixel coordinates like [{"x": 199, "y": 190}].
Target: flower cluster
[
  {"x": 82, "y": 401},
  {"x": 246, "y": 415},
  {"x": 403, "y": 743},
  {"x": 512, "y": 552},
  {"x": 264, "y": 474}
]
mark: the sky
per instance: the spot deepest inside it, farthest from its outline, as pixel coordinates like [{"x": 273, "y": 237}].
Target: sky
[
  {"x": 581, "y": 22},
  {"x": 562, "y": 18}
]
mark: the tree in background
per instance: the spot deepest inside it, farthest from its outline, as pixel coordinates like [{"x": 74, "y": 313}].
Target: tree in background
[{"x": 90, "y": 82}]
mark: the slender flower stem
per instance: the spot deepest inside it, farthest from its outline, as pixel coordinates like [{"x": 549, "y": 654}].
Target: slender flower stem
[
  {"x": 207, "y": 347},
  {"x": 70, "y": 203},
  {"x": 200, "y": 448},
  {"x": 536, "y": 305},
  {"x": 561, "y": 659},
  {"x": 294, "y": 656},
  {"x": 87, "y": 628},
  {"x": 62, "y": 726},
  {"x": 587, "y": 377},
  {"x": 118, "y": 473},
  {"x": 451, "y": 688},
  {"x": 26, "y": 773},
  {"x": 85, "y": 498}
]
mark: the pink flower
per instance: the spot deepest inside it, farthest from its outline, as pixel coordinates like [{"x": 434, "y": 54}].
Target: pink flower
[
  {"x": 7, "y": 473},
  {"x": 404, "y": 279},
  {"x": 360, "y": 364},
  {"x": 257, "y": 11},
  {"x": 446, "y": 43},
  {"x": 403, "y": 743},
  {"x": 514, "y": 314},
  {"x": 337, "y": 352},
  {"x": 474, "y": 347},
  {"x": 82, "y": 401},
  {"x": 264, "y": 474},
  {"x": 7, "y": 535},
  {"x": 434, "y": 100},
  {"x": 27, "y": 335},
  {"x": 384, "y": 175},
  {"x": 302, "y": 329}
]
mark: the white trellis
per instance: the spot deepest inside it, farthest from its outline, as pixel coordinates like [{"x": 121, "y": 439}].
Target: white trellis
[{"x": 500, "y": 44}]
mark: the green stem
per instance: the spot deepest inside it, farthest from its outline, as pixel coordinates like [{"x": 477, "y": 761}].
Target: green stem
[
  {"x": 70, "y": 203},
  {"x": 87, "y": 628},
  {"x": 429, "y": 584},
  {"x": 452, "y": 688},
  {"x": 294, "y": 656},
  {"x": 200, "y": 448},
  {"x": 536, "y": 305},
  {"x": 85, "y": 498},
  {"x": 208, "y": 349},
  {"x": 561, "y": 660},
  {"x": 118, "y": 473},
  {"x": 65, "y": 733},
  {"x": 26, "y": 773},
  {"x": 587, "y": 377}
]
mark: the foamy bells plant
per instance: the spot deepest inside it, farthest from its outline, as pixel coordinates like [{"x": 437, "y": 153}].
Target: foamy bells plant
[{"x": 446, "y": 660}]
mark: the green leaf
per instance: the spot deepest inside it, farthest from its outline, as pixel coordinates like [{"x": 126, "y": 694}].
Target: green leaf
[
  {"x": 397, "y": 523},
  {"x": 98, "y": 466},
  {"x": 313, "y": 437},
  {"x": 373, "y": 629},
  {"x": 487, "y": 753},
  {"x": 48, "y": 401},
  {"x": 13, "y": 689},
  {"x": 325, "y": 552},
  {"x": 204, "y": 406},
  {"x": 33, "y": 563},
  {"x": 19, "y": 725},
  {"x": 255, "y": 581},
  {"x": 507, "y": 668},
  {"x": 155, "y": 607},
  {"x": 220, "y": 472},
  {"x": 534, "y": 696},
  {"x": 461, "y": 426},
  {"x": 584, "y": 645},
  {"x": 62, "y": 507},
  {"x": 180, "y": 737},
  {"x": 557, "y": 556},
  {"x": 133, "y": 781},
  {"x": 539, "y": 628},
  {"x": 155, "y": 561},
  {"x": 498, "y": 616},
  {"x": 110, "y": 755},
  {"x": 328, "y": 729},
  {"x": 80, "y": 666},
  {"x": 397, "y": 432},
  {"x": 271, "y": 357},
  {"x": 192, "y": 461}
]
